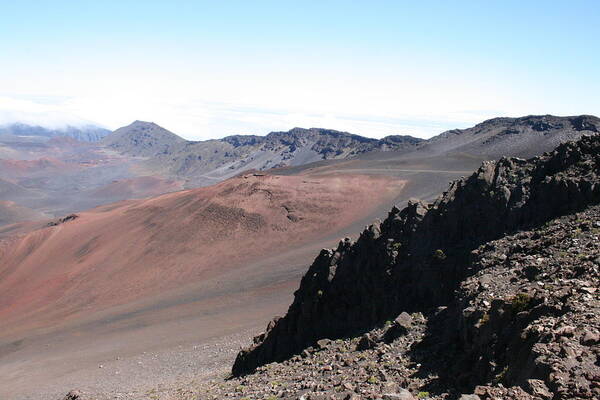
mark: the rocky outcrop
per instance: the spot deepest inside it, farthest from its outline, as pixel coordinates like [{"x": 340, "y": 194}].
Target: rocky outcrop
[
  {"x": 526, "y": 326},
  {"x": 62, "y": 220},
  {"x": 530, "y": 317},
  {"x": 417, "y": 258}
]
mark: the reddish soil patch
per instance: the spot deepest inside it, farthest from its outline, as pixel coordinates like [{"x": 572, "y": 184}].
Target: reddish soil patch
[
  {"x": 132, "y": 250},
  {"x": 22, "y": 168}
]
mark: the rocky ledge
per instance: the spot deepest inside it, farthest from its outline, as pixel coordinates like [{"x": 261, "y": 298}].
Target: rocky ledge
[
  {"x": 525, "y": 326},
  {"x": 494, "y": 316}
]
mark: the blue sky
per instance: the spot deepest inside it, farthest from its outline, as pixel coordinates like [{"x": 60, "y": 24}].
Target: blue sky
[{"x": 209, "y": 69}]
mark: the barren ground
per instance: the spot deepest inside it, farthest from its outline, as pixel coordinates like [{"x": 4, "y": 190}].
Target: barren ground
[{"x": 139, "y": 340}]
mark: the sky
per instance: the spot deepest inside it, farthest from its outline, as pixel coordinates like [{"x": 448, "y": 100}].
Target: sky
[{"x": 207, "y": 69}]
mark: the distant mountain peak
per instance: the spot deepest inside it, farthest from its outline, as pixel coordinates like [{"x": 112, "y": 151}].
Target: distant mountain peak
[
  {"x": 141, "y": 138},
  {"x": 138, "y": 122}
]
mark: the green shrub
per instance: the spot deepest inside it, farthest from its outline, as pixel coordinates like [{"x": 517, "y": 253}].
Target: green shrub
[
  {"x": 499, "y": 378},
  {"x": 484, "y": 319},
  {"x": 439, "y": 255},
  {"x": 520, "y": 302}
]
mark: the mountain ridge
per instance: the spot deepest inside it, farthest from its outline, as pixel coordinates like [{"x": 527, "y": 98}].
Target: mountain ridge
[
  {"x": 144, "y": 151},
  {"x": 203, "y": 162},
  {"x": 520, "y": 136}
]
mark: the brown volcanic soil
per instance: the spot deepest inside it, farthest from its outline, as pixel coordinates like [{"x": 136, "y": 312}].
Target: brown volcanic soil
[
  {"x": 122, "y": 252},
  {"x": 183, "y": 333},
  {"x": 134, "y": 281},
  {"x": 190, "y": 325},
  {"x": 23, "y": 167}
]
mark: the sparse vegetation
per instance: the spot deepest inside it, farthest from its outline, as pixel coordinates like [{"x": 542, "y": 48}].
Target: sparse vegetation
[
  {"x": 484, "y": 319},
  {"x": 520, "y": 302},
  {"x": 501, "y": 376},
  {"x": 439, "y": 255}
]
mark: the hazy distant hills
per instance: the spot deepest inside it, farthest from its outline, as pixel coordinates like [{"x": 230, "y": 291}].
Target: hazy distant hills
[
  {"x": 208, "y": 160},
  {"x": 59, "y": 175},
  {"x": 205, "y": 162},
  {"x": 86, "y": 133}
]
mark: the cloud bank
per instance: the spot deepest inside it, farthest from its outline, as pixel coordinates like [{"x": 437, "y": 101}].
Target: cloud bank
[
  {"x": 197, "y": 119},
  {"x": 47, "y": 115}
]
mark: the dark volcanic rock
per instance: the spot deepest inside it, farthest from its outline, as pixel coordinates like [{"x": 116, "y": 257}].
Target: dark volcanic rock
[
  {"x": 537, "y": 331},
  {"x": 74, "y": 395},
  {"x": 585, "y": 123},
  {"x": 62, "y": 220},
  {"x": 417, "y": 258}
]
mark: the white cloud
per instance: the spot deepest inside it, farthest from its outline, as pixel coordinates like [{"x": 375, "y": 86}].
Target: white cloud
[
  {"x": 30, "y": 112},
  {"x": 198, "y": 101},
  {"x": 198, "y": 119}
]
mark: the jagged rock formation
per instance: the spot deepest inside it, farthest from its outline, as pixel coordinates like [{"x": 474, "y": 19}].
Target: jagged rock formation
[
  {"x": 417, "y": 258},
  {"x": 529, "y": 317},
  {"x": 86, "y": 133},
  {"x": 526, "y": 326}
]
